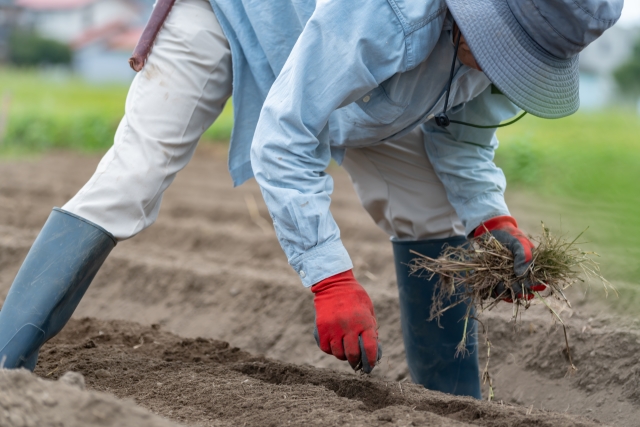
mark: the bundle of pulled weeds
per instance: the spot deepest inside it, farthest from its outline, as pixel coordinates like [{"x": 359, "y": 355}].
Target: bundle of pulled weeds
[{"x": 477, "y": 271}]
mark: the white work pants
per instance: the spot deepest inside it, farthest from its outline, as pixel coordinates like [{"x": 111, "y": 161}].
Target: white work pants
[
  {"x": 399, "y": 188},
  {"x": 176, "y": 97},
  {"x": 179, "y": 94}
]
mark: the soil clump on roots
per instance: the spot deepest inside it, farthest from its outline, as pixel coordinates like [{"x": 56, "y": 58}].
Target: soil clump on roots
[{"x": 207, "y": 382}]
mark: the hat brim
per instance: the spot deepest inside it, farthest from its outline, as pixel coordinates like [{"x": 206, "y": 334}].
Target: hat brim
[{"x": 530, "y": 77}]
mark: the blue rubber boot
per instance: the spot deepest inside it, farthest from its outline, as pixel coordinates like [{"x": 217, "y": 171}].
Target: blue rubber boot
[
  {"x": 430, "y": 349},
  {"x": 51, "y": 282}
]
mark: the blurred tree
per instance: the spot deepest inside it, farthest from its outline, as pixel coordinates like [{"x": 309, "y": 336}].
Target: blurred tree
[
  {"x": 628, "y": 75},
  {"x": 27, "y": 48}
]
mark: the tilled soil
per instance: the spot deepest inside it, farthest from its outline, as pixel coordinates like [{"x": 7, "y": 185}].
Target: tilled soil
[
  {"x": 211, "y": 267},
  {"x": 28, "y": 401},
  {"x": 206, "y": 382}
]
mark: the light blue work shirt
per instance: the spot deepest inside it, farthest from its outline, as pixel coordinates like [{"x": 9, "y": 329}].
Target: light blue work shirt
[{"x": 312, "y": 79}]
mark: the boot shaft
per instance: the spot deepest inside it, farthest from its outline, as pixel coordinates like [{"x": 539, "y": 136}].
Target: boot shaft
[
  {"x": 56, "y": 273},
  {"x": 431, "y": 345}
]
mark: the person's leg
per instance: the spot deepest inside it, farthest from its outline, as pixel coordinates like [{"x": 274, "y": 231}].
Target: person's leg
[
  {"x": 178, "y": 94},
  {"x": 399, "y": 188},
  {"x": 172, "y": 101}
]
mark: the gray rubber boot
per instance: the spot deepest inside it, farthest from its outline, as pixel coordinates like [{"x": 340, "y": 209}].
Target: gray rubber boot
[
  {"x": 58, "y": 269},
  {"x": 431, "y": 349}
]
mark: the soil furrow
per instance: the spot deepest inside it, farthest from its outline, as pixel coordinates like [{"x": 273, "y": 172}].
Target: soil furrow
[
  {"x": 208, "y": 382},
  {"x": 206, "y": 268}
]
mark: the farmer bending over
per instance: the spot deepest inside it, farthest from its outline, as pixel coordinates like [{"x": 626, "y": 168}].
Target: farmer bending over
[{"x": 382, "y": 86}]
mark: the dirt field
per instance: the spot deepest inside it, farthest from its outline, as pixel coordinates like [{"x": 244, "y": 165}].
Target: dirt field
[{"x": 211, "y": 267}]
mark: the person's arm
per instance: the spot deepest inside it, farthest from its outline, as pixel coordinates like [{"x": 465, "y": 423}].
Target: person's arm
[
  {"x": 343, "y": 53},
  {"x": 462, "y": 157}
]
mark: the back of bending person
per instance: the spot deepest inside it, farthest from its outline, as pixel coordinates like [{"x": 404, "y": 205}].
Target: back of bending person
[{"x": 364, "y": 84}]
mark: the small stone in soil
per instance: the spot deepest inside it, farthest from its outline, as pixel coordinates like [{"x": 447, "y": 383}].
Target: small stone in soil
[
  {"x": 385, "y": 417},
  {"x": 74, "y": 379},
  {"x": 102, "y": 373}
]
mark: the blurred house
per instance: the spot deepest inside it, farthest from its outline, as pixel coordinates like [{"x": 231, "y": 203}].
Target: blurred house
[
  {"x": 102, "y": 33},
  {"x": 8, "y": 16},
  {"x": 598, "y": 63},
  {"x": 66, "y": 20},
  {"x": 102, "y": 54}
]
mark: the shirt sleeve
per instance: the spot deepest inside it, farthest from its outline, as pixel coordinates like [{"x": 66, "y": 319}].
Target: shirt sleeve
[
  {"x": 344, "y": 51},
  {"x": 462, "y": 157}
]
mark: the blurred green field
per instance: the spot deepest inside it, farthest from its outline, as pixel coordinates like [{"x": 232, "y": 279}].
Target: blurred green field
[
  {"x": 53, "y": 110},
  {"x": 580, "y": 171},
  {"x": 592, "y": 155},
  {"x": 588, "y": 155}
]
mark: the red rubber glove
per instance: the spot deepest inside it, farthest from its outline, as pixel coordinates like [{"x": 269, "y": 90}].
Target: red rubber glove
[
  {"x": 505, "y": 230},
  {"x": 345, "y": 321}
]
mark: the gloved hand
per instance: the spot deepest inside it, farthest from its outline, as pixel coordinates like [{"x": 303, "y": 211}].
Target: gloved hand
[
  {"x": 505, "y": 230},
  {"x": 345, "y": 321}
]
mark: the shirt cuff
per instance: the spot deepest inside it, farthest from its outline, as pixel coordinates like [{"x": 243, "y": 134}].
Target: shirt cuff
[
  {"x": 321, "y": 262},
  {"x": 482, "y": 208}
]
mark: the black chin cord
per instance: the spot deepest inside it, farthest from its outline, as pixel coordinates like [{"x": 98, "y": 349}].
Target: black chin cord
[{"x": 443, "y": 120}]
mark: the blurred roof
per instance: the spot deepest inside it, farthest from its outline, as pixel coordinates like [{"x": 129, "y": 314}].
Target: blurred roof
[
  {"x": 607, "y": 53},
  {"x": 115, "y": 35},
  {"x": 126, "y": 40},
  {"x": 53, "y": 4}
]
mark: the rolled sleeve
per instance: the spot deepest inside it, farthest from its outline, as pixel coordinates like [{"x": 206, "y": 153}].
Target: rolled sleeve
[
  {"x": 482, "y": 208},
  {"x": 321, "y": 262},
  {"x": 462, "y": 157}
]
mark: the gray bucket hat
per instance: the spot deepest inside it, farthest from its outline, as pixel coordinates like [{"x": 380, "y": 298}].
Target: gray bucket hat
[{"x": 529, "y": 48}]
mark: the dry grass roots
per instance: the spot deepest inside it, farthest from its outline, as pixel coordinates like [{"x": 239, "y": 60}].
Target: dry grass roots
[{"x": 475, "y": 271}]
